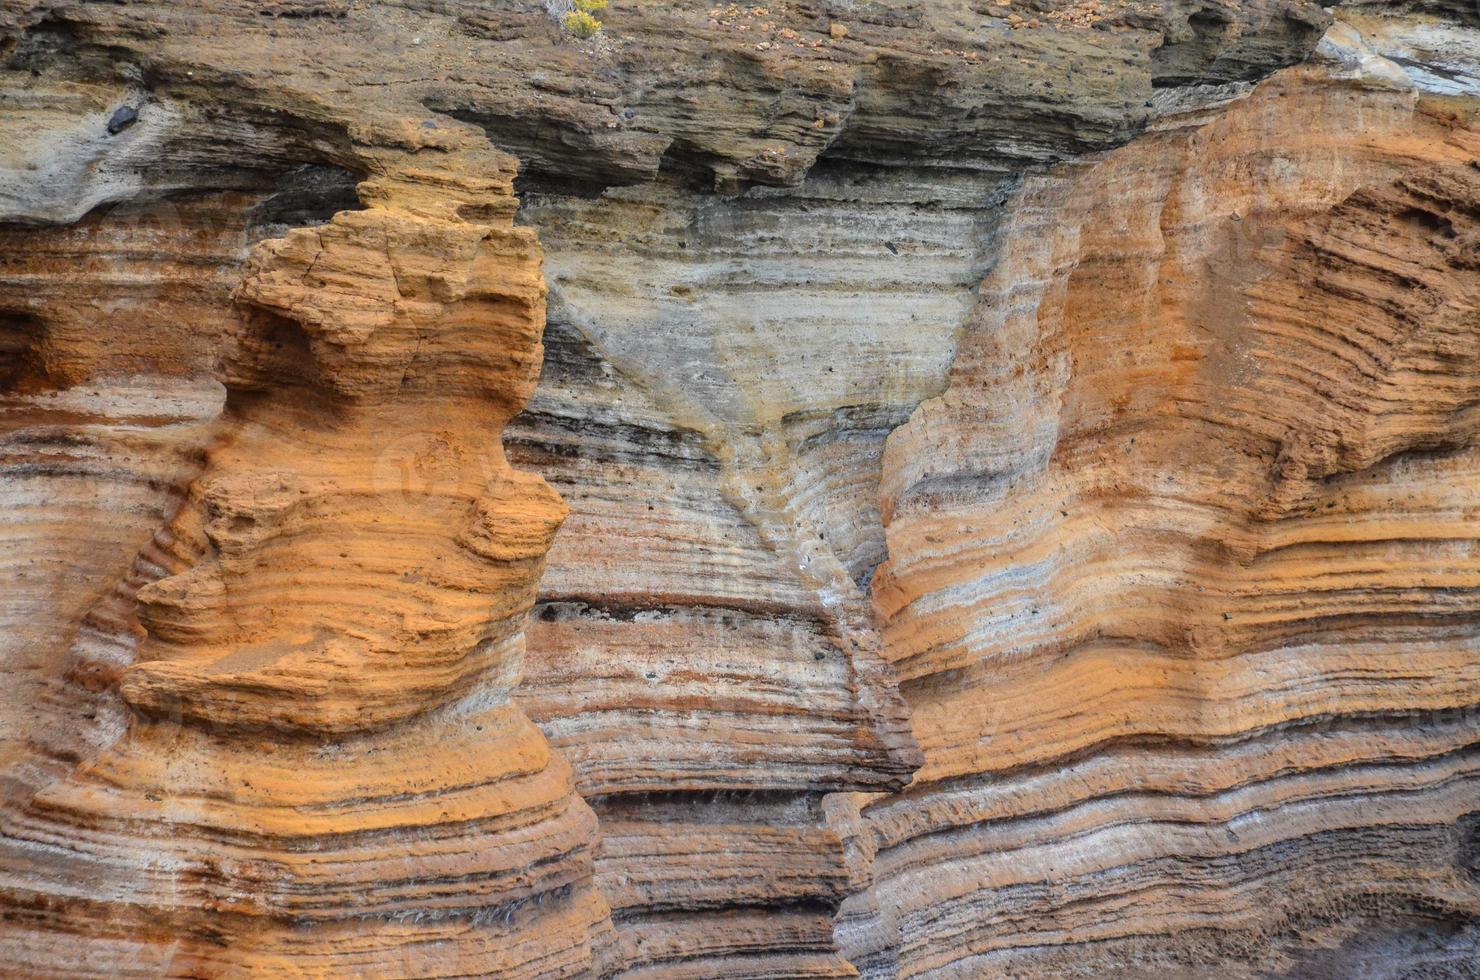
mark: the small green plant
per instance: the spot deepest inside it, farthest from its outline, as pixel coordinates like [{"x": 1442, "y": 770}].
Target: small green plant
[{"x": 581, "y": 21}]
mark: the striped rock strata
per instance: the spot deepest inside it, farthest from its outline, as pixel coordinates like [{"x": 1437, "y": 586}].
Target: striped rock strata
[
  {"x": 703, "y": 651},
  {"x": 273, "y": 572},
  {"x": 1181, "y": 583},
  {"x": 720, "y": 377},
  {"x": 1170, "y": 657},
  {"x": 739, "y": 364}
]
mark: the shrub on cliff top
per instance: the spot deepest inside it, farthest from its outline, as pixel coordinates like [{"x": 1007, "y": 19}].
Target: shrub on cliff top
[{"x": 580, "y": 20}]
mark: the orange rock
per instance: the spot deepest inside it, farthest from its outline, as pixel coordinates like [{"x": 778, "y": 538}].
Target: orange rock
[{"x": 1015, "y": 492}]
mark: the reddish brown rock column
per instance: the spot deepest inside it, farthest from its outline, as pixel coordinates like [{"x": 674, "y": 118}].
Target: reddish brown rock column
[
  {"x": 324, "y": 773},
  {"x": 1182, "y": 585}
]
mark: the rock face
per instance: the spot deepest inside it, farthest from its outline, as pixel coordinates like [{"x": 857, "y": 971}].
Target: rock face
[
  {"x": 1181, "y": 582},
  {"x": 1011, "y": 507},
  {"x": 341, "y": 589}
]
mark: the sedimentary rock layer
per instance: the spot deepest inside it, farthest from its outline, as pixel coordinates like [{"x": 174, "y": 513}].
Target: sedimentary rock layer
[
  {"x": 703, "y": 628},
  {"x": 301, "y": 754},
  {"x": 1181, "y": 587},
  {"x": 341, "y": 593},
  {"x": 99, "y": 441},
  {"x": 1020, "y": 472},
  {"x": 680, "y": 328}
]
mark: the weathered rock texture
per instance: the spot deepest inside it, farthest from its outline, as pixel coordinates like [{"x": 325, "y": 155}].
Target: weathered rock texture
[
  {"x": 322, "y": 771},
  {"x": 1019, "y": 461},
  {"x": 1181, "y": 585}
]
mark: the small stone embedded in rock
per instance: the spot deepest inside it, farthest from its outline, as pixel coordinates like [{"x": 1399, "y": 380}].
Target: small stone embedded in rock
[
  {"x": 123, "y": 117},
  {"x": 837, "y": 31}
]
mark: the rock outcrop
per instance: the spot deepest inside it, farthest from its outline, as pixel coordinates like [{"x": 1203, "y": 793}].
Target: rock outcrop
[
  {"x": 322, "y": 771},
  {"x": 1181, "y": 583},
  {"x": 1019, "y": 462}
]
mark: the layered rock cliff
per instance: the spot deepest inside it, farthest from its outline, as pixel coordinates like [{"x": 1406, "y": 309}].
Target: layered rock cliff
[{"x": 999, "y": 496}]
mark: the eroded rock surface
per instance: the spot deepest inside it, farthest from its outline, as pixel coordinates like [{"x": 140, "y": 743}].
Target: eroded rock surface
[
  {"x": 1180, "y": 586},
  {"x": 1018, "y": 464}
]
